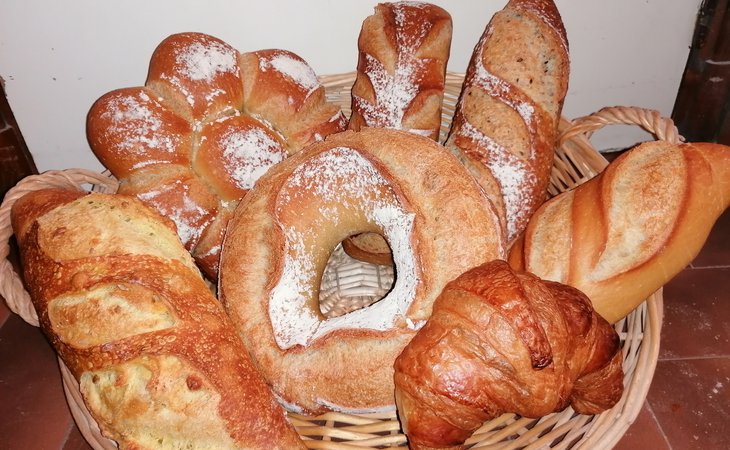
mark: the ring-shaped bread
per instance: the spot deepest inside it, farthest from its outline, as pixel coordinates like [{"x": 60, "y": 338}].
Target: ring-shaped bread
[
  {"x": 207, "y": 123},
  {"x": 432, "y": 213}
]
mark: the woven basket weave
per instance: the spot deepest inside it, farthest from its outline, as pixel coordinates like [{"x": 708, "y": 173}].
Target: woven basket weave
[{"x": 349, "y": 284}]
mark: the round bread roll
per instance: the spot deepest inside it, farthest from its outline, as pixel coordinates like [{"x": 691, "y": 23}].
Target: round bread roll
[
  {"x": 208, "y": 122},
  {"x": 432, "y": 213}
]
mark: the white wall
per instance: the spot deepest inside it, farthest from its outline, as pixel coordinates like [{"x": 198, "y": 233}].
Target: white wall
[{"x": 57, "y": 57}]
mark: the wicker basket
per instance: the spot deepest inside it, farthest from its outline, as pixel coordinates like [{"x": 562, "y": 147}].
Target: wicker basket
[{"x": 348, "y": 284}]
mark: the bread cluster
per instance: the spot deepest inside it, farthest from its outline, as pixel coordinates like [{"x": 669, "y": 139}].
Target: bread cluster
[{"x": 236, "y": 164}]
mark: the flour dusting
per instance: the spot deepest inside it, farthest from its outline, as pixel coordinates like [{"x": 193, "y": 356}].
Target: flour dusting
[
  {"x": 189, "y": 217},
  {"x": 514, "y": 176},
  {"x": 248, "y": 153},
  {"x": 293, "y": 68},
  {"x": 345, "y": 177},
  {"x": 136, "y": 127},
  {"x": 396, "y": 88},
  {"x": 203, "y": 61}
]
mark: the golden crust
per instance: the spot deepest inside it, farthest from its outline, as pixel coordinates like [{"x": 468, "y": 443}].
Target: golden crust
[
  {"x": 629, "y": 230},
  {"x": 225, "y": 117},
  {"x": 500, "y": 342},
  {"x": 509, "y": 108},
  {"x": 171, "y": 352},
  {"x": 350, "y": 367}
]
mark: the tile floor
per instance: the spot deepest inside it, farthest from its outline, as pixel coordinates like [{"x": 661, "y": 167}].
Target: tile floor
[{"x": 688, "y": 405}]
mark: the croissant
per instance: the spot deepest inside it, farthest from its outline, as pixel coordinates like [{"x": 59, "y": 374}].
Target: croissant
[{"x": 502, "y": 341}]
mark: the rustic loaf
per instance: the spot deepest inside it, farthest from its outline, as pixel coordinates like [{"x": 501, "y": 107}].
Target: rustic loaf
[
  {"x": 122, "y": 302},
  {"x": 403, "y": 52},
  {"x": 624, "y": 234}
]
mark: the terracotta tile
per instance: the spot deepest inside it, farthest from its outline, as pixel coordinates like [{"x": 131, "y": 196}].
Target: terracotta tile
[
  {"x": 33, "y": 410},
  {"x": 697, "y": 314},
  {"x": 716, "y": 251},
  {"x": 4, "y": 311},
  {"x": 643, "y": 433},
  {"x": 691, "y": 401},
  {"x": 76, "y": 440}
]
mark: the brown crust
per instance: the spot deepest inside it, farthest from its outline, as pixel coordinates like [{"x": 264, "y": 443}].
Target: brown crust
[
  {"x": 176, "y": 119},
  {"x": 65, "y": 258},
  {"x": 403, "y": 47},
  {"x": 508, "y": 111},
  {"x": 403, "y": 53},
  {"x": 472, "y": 363},
  {"x": 673, "y": 195},
  {"x": 351, "y": 369}
]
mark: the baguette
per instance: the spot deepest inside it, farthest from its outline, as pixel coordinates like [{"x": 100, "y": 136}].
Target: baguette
[
  {"x": 122, "y": 302},
  {"x": 505, "y": 124},
  {"x": 624, "y": 234},
  {"x": 499, "y": 342}
]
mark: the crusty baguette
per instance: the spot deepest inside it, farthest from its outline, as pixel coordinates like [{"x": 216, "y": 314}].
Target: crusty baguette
[
  {"x": 403, "y": 52},
  {"x": 499, "y": 342},
  {"x": 157, "y": 359},
  {"x": 506, "y": 119},
  {"x": 207, "y": 123},
  {"x": 622, "y": 235}
]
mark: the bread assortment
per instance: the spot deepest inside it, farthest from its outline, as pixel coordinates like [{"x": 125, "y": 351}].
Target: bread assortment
[
  {"x": 281, "y": 236},
  {"x": 624, "y": 234},
  {"x": 158, "y": 361},
  {"x": 207, "y": 123},
  {"x": 236, "y": 164},
  {"x": 502, "y": 341}
]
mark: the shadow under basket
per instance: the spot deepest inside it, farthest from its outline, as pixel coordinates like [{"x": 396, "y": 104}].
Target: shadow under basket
[{"x": 349, "y": 284}]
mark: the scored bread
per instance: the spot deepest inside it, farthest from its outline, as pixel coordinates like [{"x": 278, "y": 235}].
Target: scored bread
[
  {"x": 158, "y": 362},
  {"x": 624, "y": 234},
  {"x": 505, "y": 125}
]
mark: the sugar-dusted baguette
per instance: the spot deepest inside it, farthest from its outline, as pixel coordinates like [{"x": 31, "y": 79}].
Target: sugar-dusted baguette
[
  {"x": 122, "y": 302},
  {"x": 622, "y": 235}
]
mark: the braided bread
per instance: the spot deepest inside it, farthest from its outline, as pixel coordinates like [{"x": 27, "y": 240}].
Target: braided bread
[{"x": 208, "y": 122}]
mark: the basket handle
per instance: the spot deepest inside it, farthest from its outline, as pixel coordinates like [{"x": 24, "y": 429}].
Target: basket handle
[
  {"x": 662, "y": 128},
  {"x": 11, "y": 284}
]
